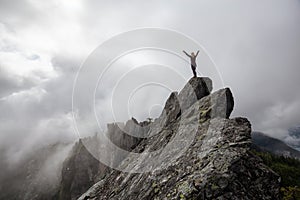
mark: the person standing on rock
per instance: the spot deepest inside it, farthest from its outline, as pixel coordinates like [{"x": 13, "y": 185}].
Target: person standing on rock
[{"x": 193, "y": 57}]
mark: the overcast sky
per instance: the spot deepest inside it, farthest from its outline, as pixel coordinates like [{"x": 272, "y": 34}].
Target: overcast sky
[{"x": 255, "y": 46}]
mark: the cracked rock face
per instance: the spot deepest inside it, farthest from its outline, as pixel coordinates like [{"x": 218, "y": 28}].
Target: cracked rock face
[{"x": 193, "y": 151}]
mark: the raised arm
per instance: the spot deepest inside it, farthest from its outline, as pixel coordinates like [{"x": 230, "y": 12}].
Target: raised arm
[
  {"x": 197, "y": 53},
  {"x": 186, "y": 53}
]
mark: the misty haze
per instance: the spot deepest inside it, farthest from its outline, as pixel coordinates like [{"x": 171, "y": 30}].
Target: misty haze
[{"x": 99, "y": 101}]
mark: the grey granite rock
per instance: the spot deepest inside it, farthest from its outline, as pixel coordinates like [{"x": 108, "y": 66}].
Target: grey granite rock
[
  {"x": 192, "y": 152},
  {"x": 195, "y": 89}
]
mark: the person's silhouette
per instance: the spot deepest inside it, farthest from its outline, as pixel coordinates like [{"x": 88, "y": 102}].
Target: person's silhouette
[{"x": 193, "y": 57}]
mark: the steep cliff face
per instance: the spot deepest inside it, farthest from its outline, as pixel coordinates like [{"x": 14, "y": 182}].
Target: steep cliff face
[
  {"x": 192, "y": 151},
  {"x": 81, "y": 169}
]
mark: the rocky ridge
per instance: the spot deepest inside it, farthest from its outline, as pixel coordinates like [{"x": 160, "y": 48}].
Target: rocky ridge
[{"x": 192, "y": 151}]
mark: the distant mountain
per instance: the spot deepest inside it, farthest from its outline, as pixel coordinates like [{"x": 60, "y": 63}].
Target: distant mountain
[
  {"x": 295, "y": 134},
  {"x": 261, "y": 141}
]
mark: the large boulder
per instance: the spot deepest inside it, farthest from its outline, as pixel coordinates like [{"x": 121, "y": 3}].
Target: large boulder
[
  {"x": 195, "y": 89},
  {"x": 176, "y": 104}
]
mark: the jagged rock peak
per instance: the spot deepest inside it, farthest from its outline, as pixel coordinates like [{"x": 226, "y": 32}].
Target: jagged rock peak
[
  {"x": 193, "y": 151},
  {"x": 195, "y": 89},
  {"x": 197, "y": 92}
]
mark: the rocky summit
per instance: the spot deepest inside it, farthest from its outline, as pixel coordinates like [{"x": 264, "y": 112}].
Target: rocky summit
[{"x": 193, "y": 150}]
